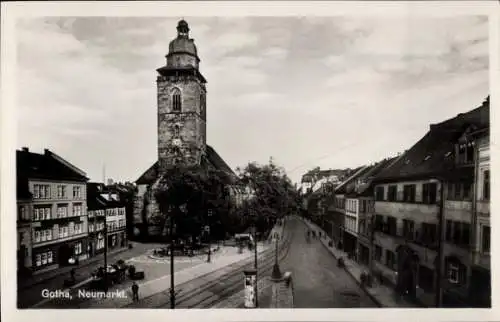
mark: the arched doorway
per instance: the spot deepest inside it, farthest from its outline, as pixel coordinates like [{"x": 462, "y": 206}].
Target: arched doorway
[{"x": 408, "y": 262}]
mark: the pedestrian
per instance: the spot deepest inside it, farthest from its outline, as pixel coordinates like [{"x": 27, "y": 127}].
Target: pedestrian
[{"x": 135, "y": 292}]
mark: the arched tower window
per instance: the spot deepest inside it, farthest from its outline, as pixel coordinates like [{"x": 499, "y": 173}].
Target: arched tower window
[
  {"x": 176, "y": 100},
  {"x": 176, "y": 131}
]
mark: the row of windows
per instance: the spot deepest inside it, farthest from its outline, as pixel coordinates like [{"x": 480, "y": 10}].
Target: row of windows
[
  {"x": 459, "y": 191},
  {"x": 177, "y": 102},
  {"x": 45, "y": 258},
  {"x": 64, "y": 231},
  {"x": 425, "y": 234},
  {"x": 45, "y": 213},
  {"x": 455, "y": 271},
  {"x": 429, "y": 193},
  {"x": 97, "y": 226},
  {"x": 456, "y": 191},
  {"x": 42, "y": 191},
  {"x": 114, "y": 225}
]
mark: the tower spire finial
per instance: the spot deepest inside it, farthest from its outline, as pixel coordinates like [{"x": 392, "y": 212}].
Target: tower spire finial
[{"x": 182, "y": 28}]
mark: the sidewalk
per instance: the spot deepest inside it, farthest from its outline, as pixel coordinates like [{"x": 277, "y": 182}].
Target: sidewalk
[
  {"x": 162, "y": 284},
  {"x": 382, "y": 295},
  {"x": 28, "y": 282},
  {"x": 29, "y": 293}
]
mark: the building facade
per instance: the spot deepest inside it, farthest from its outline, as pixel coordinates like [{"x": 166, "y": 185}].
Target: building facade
[
  {"x": 424, "y": 214},
  {"x": 107, "y": 219},
  {"x": 58, "y": 209},
  {"x": 480, "y": 286}
]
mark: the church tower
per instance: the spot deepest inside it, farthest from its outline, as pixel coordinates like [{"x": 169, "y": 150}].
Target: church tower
[{"x": 182, "y": 135}]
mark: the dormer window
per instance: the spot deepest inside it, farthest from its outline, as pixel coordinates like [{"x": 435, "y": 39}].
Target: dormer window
[{"x": 465, "y": 153}]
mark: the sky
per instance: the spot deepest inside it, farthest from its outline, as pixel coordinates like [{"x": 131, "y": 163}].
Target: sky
[{"x": 333, "y": 92}]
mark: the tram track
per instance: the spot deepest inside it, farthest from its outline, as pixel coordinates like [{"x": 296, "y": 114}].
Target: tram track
[{"x": 213, "y": 287}]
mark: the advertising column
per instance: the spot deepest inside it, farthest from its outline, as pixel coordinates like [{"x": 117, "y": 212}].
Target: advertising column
[{"x": 250, "y": 288}]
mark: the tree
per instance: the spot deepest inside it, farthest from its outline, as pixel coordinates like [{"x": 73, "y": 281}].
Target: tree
[
  {"x": 275, "y": 195},
  {"x": 187, "y": 193}
]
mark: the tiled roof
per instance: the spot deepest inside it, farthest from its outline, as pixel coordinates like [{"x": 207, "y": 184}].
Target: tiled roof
[
  {"x": 344, "y": 187},
  {"x": 366, "y": 187},
  {"x": 433, "y": 155},
  {"x": 96, "y": 198},
  {"x": 45, "y": 166},
  {"x": 212, "y": 157},
  {"x": 93, "y": 199},
  {"x": 217, "y": 162}
]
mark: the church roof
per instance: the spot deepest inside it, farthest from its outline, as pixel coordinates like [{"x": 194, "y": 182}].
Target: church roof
[{"x": 213, "y": 158}]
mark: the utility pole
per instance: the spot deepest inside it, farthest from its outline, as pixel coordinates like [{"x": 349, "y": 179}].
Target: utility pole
[
  {"x": 440, "y": 235},
  {"x": 105, "y": 253},
  {"x": 255, "y": 259},
  {"x": 172, "y": 290},
  {"x": 209, "y": 233}
]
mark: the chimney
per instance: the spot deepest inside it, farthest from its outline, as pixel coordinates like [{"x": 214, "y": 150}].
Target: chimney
[
  {"x": 25, "y": 149},
  {"x": 46, "y": 151}
]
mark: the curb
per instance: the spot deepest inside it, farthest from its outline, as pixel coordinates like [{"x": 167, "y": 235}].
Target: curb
[{"x": 371, "y": 296}]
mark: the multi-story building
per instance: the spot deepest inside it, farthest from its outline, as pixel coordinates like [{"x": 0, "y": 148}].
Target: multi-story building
[
  {"x": 96, "y": 214},
  {"x": 359, "y": 211},
  {"x": 107, "y": 219},
  {"x": 58, "y": 208},
  {"x": 419, "y": 233},
  {"x": 116, "y": 221},
  {"x": 336, "y": 212}
]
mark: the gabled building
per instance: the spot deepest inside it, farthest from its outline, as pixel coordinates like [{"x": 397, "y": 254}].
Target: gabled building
[
  {"x": 107, "y": 219},
  {"x": 56, "y": 210},
  {"x": 360, "y": 200},
  {"x": 420, "y": 231},
  {"x": 335, "y": 206}
]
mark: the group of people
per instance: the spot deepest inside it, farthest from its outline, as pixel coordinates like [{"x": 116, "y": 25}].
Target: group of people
[{"x": 311, "y": 233}]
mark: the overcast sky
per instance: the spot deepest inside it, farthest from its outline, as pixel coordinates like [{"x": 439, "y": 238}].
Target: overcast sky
[{"x": 332, "y": 92}]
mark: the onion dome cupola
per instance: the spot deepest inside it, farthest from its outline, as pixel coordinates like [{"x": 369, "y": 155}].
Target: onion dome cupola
[{"x": 182, "y": 52}]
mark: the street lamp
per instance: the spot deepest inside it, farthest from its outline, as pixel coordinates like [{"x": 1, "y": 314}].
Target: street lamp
[
  {"x": 209, "y": 241},
  {"x": 179, "y": 210}
]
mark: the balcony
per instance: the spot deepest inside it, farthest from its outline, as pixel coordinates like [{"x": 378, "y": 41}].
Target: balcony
[
  {"x": 425, "y": 212},
  {"x": 59, "y": 240}
]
